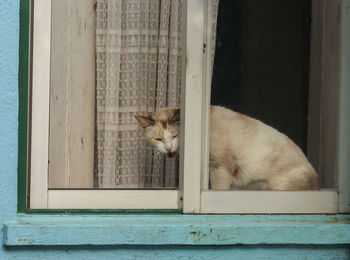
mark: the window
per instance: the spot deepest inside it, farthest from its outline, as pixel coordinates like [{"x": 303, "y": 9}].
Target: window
[
  {"x": 257, "y": 63},
  {"x": 72, "y": 182},
  {"x": 91, "y": 70}
]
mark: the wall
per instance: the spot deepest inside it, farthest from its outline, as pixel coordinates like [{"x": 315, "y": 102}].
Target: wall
[{"x": 9, "y": 32}]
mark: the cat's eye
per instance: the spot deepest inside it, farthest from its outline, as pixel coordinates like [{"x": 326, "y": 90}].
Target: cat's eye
[
  {"x": 158, "y": 139},
  {"x": 174, "y": 136}
]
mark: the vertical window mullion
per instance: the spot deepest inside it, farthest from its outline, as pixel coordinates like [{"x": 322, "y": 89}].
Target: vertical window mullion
[{"x": 192, "y": 106}]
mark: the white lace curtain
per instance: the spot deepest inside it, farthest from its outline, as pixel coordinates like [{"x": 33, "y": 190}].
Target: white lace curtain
[{"x": 138, "y": 70}]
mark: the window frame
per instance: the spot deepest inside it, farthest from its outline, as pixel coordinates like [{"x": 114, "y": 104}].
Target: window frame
[
  {"x": 40, "y": 196},
  {"x": 276, "y": 202},
  {"x": 23, "y": 106},
  {"x": 194, "y": 154},
  {"x": 343, "y": 162}
]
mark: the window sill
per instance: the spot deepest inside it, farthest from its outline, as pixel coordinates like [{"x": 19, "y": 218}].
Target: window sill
[{"x": 27, "y": 229}]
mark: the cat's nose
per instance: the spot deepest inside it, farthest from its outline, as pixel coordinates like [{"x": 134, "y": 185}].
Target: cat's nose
[{"x": 168, "y": 148}]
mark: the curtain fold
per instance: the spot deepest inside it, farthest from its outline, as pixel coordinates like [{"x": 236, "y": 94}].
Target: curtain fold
[{"x": 138, "y": 70}]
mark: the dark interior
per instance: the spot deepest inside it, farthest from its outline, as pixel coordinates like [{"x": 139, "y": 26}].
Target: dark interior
[{"x": 261, "y": 65}]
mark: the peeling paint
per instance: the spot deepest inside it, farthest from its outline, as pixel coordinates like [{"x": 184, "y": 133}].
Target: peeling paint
[{"x": 25, "y": 241}]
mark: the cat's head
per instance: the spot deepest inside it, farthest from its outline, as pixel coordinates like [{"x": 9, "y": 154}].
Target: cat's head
[{"x": 162, "y": 129}]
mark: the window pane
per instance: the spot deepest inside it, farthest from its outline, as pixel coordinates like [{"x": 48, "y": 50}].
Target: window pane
[
  {"x": 110, "y": 62},
  {"x": 262, "y": 70}
]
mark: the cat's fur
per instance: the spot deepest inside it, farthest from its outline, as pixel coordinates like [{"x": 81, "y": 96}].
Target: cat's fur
[
  {"x": 162, "y": 129},
  {"x": 244, "y": 152}
]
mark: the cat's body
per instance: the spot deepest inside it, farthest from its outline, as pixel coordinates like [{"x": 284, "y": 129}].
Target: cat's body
[{"x": 244, "y": 153}]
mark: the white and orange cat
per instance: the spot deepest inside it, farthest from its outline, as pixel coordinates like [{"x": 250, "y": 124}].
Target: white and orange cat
[{"x": 244, "y": 152}]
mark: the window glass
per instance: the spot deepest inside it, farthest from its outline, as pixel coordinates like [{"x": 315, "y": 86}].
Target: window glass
[
  {"x": 262, "y": 70},
  {"x": 112, "y": 61}
]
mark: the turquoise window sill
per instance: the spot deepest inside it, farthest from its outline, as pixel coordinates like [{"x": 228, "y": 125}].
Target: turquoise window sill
[{"x": 25, "y": 229}]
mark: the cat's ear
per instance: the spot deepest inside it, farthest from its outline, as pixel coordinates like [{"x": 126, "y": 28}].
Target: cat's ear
[
  {"x": 145, "y": 121},
  {"x": 175, "y": 118}
]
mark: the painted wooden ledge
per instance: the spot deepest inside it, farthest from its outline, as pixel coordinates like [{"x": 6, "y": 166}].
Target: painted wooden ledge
[{"x": 176, "y": 229}]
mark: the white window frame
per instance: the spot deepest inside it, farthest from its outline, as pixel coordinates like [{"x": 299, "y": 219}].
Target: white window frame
[
  {"x": 197, "y": 199},
  {"x": 40, "y": 195},
  {"x": 192, "y": 195}
]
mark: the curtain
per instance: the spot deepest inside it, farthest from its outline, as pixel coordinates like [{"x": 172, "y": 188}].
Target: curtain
[{"x": 138, "y": 71}]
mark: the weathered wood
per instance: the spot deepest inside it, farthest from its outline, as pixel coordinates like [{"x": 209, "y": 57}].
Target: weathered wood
[
  {"x": 72, "y": 94},
  {"x": 177, "y": 230}
]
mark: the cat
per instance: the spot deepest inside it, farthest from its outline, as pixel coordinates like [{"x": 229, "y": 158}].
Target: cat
[{"x": 244, "y": 153}]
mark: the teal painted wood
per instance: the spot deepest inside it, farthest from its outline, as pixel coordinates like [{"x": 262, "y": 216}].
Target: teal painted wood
[
  {"x": 179, "y": 252},
  {"x": 177, "y": 230},
  {"x": 295, "y": 252}
]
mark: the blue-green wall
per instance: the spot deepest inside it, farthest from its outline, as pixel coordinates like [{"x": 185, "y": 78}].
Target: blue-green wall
[{"x": 9, "y": 39}]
